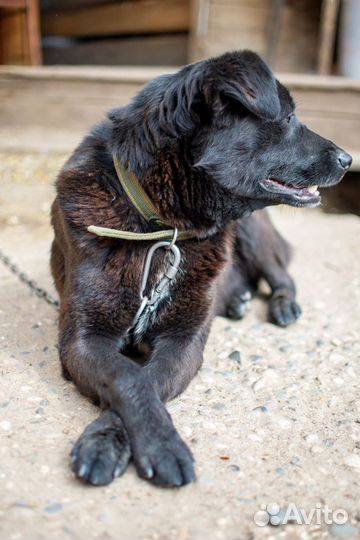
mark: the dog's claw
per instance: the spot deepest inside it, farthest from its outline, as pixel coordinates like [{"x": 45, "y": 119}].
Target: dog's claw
[
  {"x": 172, "y": 464},
  {"x": 101, "y": 456},
  {"x": 239, "y": 305},
  {"x": 284, "y": 312}
]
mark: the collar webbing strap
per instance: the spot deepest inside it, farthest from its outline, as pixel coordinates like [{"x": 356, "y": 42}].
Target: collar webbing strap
[
  {"x": 136, "y": 193},
  {"x": 144, "y": 205}
]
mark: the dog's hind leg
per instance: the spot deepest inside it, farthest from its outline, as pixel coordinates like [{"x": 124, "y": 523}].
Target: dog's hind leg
[
  {"x": 57, "y": 264},
  {"x": 234, "y": 294},
  {"x": 283, "y": 308},
  {"x": 263, "y": 253}
]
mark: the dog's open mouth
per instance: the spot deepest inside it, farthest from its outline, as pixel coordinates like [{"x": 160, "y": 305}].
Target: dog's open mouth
[{"x": 297, "y": 195}]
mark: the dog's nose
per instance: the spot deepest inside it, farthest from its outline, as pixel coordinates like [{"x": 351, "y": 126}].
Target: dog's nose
[{"x": 345, "y": 160}]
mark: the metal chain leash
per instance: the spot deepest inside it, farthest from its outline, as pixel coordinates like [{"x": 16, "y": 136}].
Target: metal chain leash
[{"x": 33, "y": 286}]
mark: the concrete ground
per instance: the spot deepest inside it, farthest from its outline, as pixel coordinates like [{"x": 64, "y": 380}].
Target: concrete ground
[{"x": 272, "y": 417}]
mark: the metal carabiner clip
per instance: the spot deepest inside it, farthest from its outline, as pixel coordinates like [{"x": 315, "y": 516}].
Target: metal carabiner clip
[{"x": 168, "y": 276}]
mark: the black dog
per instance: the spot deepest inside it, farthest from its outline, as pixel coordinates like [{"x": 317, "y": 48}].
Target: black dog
[{"x": 210, "y": 144}]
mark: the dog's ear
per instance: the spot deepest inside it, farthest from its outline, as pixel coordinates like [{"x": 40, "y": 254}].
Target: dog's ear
[
  {"x": 197, "y": 92},
  {"x": 245, "y": 78}
]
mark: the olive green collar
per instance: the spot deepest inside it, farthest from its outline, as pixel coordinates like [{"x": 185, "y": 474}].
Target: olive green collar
[{"x": 145, "y": 207}]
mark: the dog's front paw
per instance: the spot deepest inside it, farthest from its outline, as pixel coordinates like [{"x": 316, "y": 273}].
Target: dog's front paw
[
  {"x": 284, "y": 311},
  {"x": 164, "y": 459},
  {"x": 239, "y": 305},
  {"x": 100, "y": 456}
]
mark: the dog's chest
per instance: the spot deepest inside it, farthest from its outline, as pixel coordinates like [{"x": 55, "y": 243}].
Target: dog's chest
[{"x": 188, "y": 292}]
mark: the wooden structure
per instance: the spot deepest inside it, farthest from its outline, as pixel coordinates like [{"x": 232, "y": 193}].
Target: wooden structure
[
  {"x": 74, "y": 98},
  {"x": 20, "y": 41},
  {"x": 130, "y": 32},
  {"x": 297, "y": 36},
  {"x": 118, "y": 18},
  {"x": 292, "y": 35}
]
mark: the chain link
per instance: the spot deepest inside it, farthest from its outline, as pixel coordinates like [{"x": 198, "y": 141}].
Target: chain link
[{"x": 33, "y": 286}]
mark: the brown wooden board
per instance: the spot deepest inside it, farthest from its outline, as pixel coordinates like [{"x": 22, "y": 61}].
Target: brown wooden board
[
  {"x": 13, "y": 46},
  {"x": 52, "y": 108},
  {"x": 140, "y": 17},
  {"x": 162, "y": 50},
  {"x": 222, "y": 25}
]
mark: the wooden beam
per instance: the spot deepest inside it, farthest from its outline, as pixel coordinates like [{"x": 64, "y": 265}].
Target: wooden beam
[
  {"x": 13, "y": 4},
  {"x": 328, "y": 20},
  {"x": 33, "y": 32},
  {"x": 141, "y": 17}
]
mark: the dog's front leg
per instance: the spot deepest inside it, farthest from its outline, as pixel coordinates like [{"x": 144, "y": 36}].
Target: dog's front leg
[
  {"x": 283, "y": 308},
  {"x": 175, "y": 361},
  {"x": 124, "y": 388}
]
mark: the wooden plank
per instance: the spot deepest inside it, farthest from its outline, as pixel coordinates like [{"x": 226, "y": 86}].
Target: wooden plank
[
  {"x": 141, "y": 17},
  {"x": 33, "y": 32},
  {"x": 52, "y": 108},
  {"x": 329, "y": 15},
  {"x": 339, "y": 102},
  {"x": 13, "y": 4},
  {"x": 167, "y": 49},
  {"x": 141, "y": 75},
  {"x": 122, "y": 75},
  {"x": 243, "y": 24},
  {"x": 56, "y": 5},
  {"x": 13, "y": 45}
]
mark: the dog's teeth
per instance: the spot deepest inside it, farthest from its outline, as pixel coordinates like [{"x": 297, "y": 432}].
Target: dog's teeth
[{"x": 313, "y": 189}]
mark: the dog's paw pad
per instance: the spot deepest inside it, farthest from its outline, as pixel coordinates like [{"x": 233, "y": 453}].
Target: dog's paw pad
[
  {"x": 97, "y": 458},
  {"x": 284, "y": 312},
  {"x": 166, "y": 462},
  {"x": 239, "y": 305}
]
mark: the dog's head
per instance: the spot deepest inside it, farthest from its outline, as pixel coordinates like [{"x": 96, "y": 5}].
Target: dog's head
[{"x": 237, "y": 128}]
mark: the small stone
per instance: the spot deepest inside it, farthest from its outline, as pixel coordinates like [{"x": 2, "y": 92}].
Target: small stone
[
  {"x": 254, "y": 437},
  {"x": 254, "y": 358},
  {"x": 13, "y": 220},
  {"x": 311, "y": 438},
  {"x": 336, "y": 342},
  {"x": 260, "y": 410},
  {"x": 34, "y": 399},
  {"x": 218, "y": 406},
  {"x": 353, "y": 460},
  {"x": 280, "y": 471},
  {"x": 343, "y": 531},
  {"x": 236, "y": 356},
  {"x": 329, "y": 442},
  {"x": 5, "y": 425},
  {"x": 187, "y": 431},
  {"x": 54, "y": 508},
  {"x": 234, "y": 468},
  {"x": 316, "y": 449}
]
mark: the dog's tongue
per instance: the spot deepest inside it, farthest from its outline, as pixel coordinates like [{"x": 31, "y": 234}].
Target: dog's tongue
[{"x": 300, "y": 190}]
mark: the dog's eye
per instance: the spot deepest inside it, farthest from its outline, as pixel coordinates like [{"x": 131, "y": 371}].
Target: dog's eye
[{"x": 289, "y": 118}]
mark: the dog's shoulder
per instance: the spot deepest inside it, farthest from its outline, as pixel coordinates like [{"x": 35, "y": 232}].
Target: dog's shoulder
[{"x": 87, "y": 188}]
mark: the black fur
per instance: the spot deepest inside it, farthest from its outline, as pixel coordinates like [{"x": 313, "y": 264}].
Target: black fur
[{"x": 210, "y": 144}]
